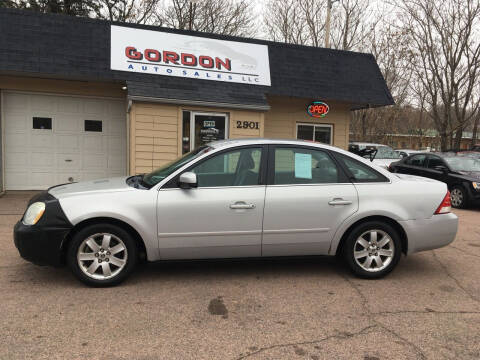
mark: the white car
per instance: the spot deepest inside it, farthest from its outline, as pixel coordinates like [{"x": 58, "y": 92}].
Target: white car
[
  {"x": 239, "y": 198},
  {"x": 384, "y": 157}
]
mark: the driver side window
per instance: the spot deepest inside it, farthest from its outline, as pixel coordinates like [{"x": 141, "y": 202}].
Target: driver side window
[{"x": 234, "y": 168}]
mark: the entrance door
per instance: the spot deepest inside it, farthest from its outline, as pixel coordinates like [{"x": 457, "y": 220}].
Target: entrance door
[{"x": 200, "y": 128}]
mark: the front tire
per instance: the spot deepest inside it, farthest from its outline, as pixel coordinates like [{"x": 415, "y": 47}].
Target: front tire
[
  {"x": 102, "y": 255},
  {"x": 372, "y": 250},
  {"x": 458, "y": 197}
]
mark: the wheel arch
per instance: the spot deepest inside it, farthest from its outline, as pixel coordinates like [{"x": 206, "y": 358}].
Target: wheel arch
[
  {"x": 142, "y": 251},
  {"x": 386, "y": 219}
]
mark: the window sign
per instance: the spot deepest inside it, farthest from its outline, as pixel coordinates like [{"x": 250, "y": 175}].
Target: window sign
[
  {"x": 318, "y": 109},
  {"x": 303, "y": 166},
  {"x": 168, "y": 54}
]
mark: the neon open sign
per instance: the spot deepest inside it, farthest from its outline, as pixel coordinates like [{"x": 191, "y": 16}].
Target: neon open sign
[{"x": 318, "y": 109}]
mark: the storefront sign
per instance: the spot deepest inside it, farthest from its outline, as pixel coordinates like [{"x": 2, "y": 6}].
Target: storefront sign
[
  {"x": 318, "y": 109},
  {"x": 155, "y": 52}
]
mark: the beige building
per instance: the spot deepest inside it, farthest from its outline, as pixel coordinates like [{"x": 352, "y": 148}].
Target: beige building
[{"x": 85, "y": 99}]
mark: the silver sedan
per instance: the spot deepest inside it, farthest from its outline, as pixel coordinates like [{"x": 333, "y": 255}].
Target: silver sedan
[{"x": 239, "y": 198}]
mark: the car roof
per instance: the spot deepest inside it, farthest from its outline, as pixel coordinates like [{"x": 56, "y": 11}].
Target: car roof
[{"x": 220, "y": 144}]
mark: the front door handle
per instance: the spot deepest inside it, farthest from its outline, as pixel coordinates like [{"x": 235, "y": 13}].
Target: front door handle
[
  {"x": 242, "y": 205},
  {"x": 339, "y": 201}
]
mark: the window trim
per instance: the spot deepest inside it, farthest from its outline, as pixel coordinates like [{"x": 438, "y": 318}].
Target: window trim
[
  {"x": 351, "y": 177},
  {"x": 326, "y": 125},
  {"x": 173, "y": 182},
  {"x": 342, "y": 175}
]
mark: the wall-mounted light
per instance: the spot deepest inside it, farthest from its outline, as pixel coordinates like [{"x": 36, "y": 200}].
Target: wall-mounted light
[{"x": 124, "y": 88}]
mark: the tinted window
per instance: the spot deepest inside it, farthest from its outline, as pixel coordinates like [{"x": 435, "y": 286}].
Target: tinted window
[
  {"x": 303, "y": 166},
  {"x": 416, "y": 160},
  {"x": 233, "y": 168},
  {"x": 435, "y": 161},
  {"x": 43, "y": 123},
  {"x": 93, "y": 125},
  {"x": 360, "y": 171}
]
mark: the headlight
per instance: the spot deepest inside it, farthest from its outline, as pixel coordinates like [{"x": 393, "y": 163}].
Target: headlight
[
  {"x": 476, "y": 185},
  {"x": 34, "y": 213}
]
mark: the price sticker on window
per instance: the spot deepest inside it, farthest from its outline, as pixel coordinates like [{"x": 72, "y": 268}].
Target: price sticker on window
[{"x": 303, "y": 166}]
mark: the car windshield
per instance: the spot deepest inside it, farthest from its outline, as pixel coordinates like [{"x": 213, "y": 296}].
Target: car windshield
[
  {"x": 161, "y": 173},
  {"x": 385, "y": 152},
  {"x": 463, "y": 163}
]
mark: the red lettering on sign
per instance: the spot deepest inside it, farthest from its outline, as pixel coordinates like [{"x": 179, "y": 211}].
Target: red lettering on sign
[
  {"x": 132, "y": 53},
  {"x": 152, "y": 55},
  {"x": 170, "y": 57},
  {"x": 227, "y": 64},
  {"x": 206, "y": 62},
  {"x": 189, "y": 60}
]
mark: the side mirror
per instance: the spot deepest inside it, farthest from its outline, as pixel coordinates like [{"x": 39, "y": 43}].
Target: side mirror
[
  {"x": 188, "y": 180},
  {"x": 441, "y": 168}
]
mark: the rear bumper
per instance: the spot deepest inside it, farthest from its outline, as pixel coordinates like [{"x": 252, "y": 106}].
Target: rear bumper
[{"x": 433, "y": 233}]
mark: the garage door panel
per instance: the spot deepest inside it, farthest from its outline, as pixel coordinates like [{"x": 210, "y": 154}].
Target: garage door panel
[
  {"x": 43, "y": 103},
  {"x": 94, "y": 107},
  {"x": 17, "y": 123},
  {"x": 69, "y": 105},
  {"x": 94, "y": 162},
  {"x": 67, "y": 142},
  {"x": 16, "y": 102},
  {"x": 40, "y": 140},
  {"x": 68, "y": 161},
  {"x": 94, "y": 144},
  {"x": 39, "y": 158},
  {"x": 17, "y": 160},
  {"x": 67, "y": 123}
]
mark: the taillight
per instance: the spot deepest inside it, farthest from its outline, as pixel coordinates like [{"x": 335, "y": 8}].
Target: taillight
[{"x": 446, "y": 205}]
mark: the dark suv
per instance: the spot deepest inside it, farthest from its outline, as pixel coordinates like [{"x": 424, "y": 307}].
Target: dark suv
[{"x": 460, "y": 173}]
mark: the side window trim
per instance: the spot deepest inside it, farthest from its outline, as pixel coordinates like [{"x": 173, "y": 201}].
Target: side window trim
[
  {"x": 342, "y": 175},
  {"x": 351, "y": 177},
  {"x": 173, "y": 183}
]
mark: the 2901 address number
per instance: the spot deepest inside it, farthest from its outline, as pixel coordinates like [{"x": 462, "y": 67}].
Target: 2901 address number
[{"x": 247, "y": 125}]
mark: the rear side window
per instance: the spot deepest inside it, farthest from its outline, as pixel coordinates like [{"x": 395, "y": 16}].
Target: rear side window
[
  {"x": 361, "y": 172},
  {"x": 434, "y": 161},
  {"x": 303, "y": 166},
  {"x": 416, "y": 160}
]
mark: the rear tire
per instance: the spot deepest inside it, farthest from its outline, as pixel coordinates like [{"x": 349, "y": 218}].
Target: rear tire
[
  {"x": 102, "y": 255},
  {"x": 372, "y": 250},
  {"x": 458, "y": 197}
]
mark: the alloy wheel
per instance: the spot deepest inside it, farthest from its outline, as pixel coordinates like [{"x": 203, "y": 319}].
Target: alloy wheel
[
  {"x": 102, "y": 256},
  {"x": 374, "y": 250},
  {"x": 456, "y": 197}
]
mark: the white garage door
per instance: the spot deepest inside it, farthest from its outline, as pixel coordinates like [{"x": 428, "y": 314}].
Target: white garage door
[{"x": 57, "y": 139}]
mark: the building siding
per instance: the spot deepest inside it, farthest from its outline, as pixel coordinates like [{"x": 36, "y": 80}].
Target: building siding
[{"x": 286, "y": 112}]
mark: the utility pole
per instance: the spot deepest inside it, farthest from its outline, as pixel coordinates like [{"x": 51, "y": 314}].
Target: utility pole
[
  {"x": 327, "y": 23},
  {"x": 193, "y": 5}
]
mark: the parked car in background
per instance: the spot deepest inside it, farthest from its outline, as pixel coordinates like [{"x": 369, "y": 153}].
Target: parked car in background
[
  {"x": 239, "y": 198},
  {"x": 384, "y": 156},
  {"x": 461, "y": 173},
  {"x": 406, "y": 152}
]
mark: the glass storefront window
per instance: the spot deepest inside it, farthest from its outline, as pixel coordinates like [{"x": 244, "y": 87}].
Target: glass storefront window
[{"x": 319, "y": 133}]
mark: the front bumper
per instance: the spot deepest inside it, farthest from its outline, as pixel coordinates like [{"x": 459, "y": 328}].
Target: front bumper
[
  {"x": 429, "y": 234},
  {"x": 42, "y": 243}
]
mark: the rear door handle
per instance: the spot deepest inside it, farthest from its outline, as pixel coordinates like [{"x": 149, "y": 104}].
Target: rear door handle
[
  {"x": 339, "y": 201},
  {"x": 242, "y": 205}
]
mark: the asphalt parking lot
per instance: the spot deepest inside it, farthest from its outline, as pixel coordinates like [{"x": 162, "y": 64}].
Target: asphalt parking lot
[{"x": 428, "y": 308}]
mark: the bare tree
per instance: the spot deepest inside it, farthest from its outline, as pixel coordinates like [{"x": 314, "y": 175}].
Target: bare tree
[
  {"x": 351, "y": 23},
  {"x": 228, "y": 17},
  {"x": 283, "y": 21},
  {"x": 136, "y": 11},
  {"x": 445, "y": 44}
]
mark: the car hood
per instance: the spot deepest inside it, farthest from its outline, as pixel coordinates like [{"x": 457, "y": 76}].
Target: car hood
[{"x": 89, "y": 187}]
